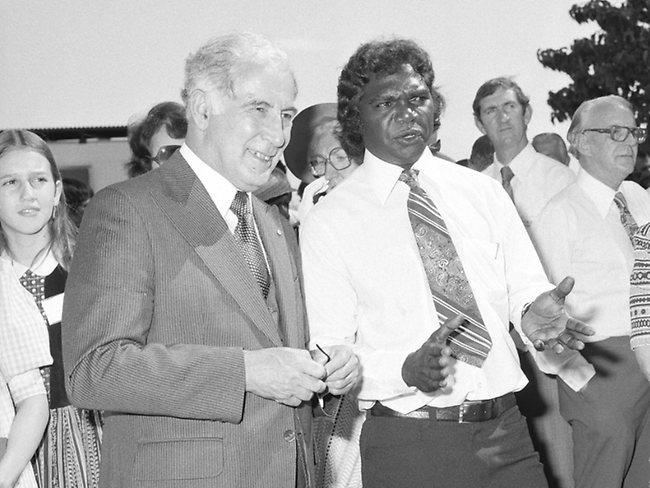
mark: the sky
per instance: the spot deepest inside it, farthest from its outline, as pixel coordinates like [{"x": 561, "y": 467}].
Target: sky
[{"x": 78, "y": 63}]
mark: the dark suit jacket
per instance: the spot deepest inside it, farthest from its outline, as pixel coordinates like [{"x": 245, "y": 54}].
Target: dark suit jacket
[{"x": 159, "y": 307}]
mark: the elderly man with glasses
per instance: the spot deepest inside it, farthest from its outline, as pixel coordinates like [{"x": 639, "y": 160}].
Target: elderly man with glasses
[{"x": 586, "y": 231}]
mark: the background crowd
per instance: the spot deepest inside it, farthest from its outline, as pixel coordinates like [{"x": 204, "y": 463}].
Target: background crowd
[{"x": 182, "y": 344}]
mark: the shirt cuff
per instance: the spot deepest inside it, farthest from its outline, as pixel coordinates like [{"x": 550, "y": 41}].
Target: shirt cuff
[
  {"x": 639, "y": 340},
  {"x": 26, "y": 385},
  {"x": 570, "y": 366}
]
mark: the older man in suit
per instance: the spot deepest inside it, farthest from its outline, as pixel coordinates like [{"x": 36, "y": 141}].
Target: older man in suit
[{"x": 185, "y": 321}]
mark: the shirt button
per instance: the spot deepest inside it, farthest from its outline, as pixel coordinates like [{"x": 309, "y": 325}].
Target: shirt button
[{"x": 289, "y": 435}]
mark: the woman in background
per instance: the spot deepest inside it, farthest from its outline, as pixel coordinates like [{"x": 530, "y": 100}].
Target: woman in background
[
  {"x": 153, "y": 139},
  {"x": 314, "y": 155},
  {"x": 37, "y": 237}
]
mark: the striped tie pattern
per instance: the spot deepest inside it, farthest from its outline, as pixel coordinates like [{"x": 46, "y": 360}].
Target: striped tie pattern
[
  {"x": 249, "y": 243},
  {"x": 629, "y": 224},
  {"x": 450, "y": 289}
]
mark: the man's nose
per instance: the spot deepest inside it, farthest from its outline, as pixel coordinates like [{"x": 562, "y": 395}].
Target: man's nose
[
  {"x": 274, "y": 131},
  {"x": 405, "y": 112}
]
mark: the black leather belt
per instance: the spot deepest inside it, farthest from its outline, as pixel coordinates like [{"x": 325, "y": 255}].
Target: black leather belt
[{"x": 468, "y": 411}]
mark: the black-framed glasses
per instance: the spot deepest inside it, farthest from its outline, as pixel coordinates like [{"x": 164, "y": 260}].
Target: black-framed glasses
[
  {"x": 336, "y": 158},
  {"x": 619, "y": 133},
  {"x": 164, "y": 153}
]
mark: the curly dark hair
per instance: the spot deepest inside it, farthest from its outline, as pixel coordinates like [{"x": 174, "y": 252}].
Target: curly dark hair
[
  {"x": 373, "y": 58},
  {"x": 171, "y": 115}
]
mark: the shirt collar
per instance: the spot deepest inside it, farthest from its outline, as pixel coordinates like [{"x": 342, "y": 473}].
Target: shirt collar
[
  {"x": 601, "y": 194},
  {"x": 382, "y": 176},
  {"x": 43, "y": 267},
  {"x": 220, "y": 190},
  {"x": 520, "y": 164}
]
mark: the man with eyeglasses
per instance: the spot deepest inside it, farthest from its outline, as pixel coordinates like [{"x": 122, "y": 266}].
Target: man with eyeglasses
[{"x": 586, "y": 231}]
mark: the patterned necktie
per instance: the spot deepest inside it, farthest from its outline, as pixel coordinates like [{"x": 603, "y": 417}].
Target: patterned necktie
[
  {"x": 629, "y": 224},
  {"x": 248, "y": 242},
  {"x": 450, "y": 289},
  {"x": 506, "y": 177}
]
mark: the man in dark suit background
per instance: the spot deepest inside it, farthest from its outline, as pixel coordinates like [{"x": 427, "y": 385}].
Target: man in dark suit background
[{"x": 185, "y": 320}]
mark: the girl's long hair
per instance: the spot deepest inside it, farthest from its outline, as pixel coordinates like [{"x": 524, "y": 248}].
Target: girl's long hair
[{"x": 62, "y": 231}]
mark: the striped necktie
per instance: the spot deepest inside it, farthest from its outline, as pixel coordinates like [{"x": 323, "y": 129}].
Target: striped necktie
[
  {"x": 629, "y": 224},
  {"x": 248, "y": 242},
  {"x": 450, "y": 289}
]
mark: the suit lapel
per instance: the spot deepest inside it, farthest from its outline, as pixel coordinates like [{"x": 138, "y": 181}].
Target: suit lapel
[
  {"x": 283, "y": 269},
  {"x": 188, "y": 206}
]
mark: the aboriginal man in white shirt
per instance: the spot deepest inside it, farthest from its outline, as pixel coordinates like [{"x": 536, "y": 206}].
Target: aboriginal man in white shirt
[{"x": 432, "y": 418}]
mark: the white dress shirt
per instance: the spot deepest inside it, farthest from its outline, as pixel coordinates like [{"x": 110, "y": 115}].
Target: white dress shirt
[
  {"x": 574, "y": 164},
  {"x": 221, "y": 192},
  {"x": 365, "y": 284},
  {"x": 580, "y": 234},
  {"x": 537, "y": 179}
]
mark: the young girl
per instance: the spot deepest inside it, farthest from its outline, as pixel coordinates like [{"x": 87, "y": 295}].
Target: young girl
[
  {"x": 24, "y": 347},
  {"x": 37, "y": 237}
]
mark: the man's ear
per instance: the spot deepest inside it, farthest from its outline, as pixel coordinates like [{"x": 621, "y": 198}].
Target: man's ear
[
  {"x": 199, "y": 108},
  {"x": 528, "y": 113},
  {"x": 581, "y": 144},
  {"x": 479, "y": 125}
]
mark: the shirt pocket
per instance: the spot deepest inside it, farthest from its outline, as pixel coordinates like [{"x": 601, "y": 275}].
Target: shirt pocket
[
  {"x": 179, "y": 459},
  {"x": 484, "y": 266}
]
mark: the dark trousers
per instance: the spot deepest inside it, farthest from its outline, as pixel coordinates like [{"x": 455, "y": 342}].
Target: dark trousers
[
  {"x": 608, "y": 419},
  {"x": 413, "y": 453},
  {"x": 539, "y": 403}
]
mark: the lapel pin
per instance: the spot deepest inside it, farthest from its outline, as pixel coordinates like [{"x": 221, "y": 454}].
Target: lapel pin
[{"x": 279, "y": 232}]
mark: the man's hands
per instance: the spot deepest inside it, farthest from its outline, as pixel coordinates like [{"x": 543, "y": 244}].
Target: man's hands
[
  {"x": 286, "y": 375},
  {"x": 426, "y": 369},
  {"x": 547, "y": 325},
  {"x": 342, "y": 368}
]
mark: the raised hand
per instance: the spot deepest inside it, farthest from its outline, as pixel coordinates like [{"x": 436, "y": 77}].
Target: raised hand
[
  {"x": 286, "y": 375},
  {"x": 548, "y": 326},
  {"x": 426, "y": 369}
]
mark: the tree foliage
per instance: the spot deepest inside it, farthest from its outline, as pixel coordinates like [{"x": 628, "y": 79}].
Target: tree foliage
[{"x": 614, "y": 60}]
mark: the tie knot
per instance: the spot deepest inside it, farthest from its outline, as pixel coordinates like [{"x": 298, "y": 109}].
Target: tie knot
[
  {"x": 619, "y": 198},
  {"x": 506, "y": 174},
  {"x": 410, "y": 177},
  {"x": 239, "y": 204}
]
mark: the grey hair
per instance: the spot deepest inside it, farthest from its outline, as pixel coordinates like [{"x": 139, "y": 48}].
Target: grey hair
[
  {"x": 582, "y": 112},
  {"x": 215, "y": 66}
]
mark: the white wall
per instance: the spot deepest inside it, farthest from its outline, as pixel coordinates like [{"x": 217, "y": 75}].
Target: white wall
[{"x": 104, "y": 159}]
